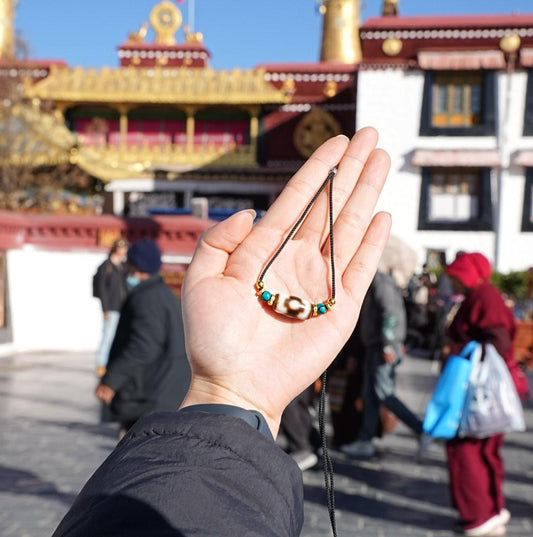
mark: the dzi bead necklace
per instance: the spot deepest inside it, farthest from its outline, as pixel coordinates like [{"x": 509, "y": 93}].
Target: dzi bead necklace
[
  {"x": 297, "y": 308},
  {"x": 293, "y": 306}
]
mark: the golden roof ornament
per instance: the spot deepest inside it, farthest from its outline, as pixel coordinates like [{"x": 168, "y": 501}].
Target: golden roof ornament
[
  {"x": 313, "y": 129},
  {"x": 139, "y": 35},
  {"x": 340, "y": 31},
  {"x": 192, "y": 37},
  {"x": 390, "y": 7},
  {"x": 330, "y": 88},
  {"x": 392, "y": 46},
  {"x": 510, "y": 43},
  {"x": 166, "y": 18},
  {"x": 7, "y": 29}
]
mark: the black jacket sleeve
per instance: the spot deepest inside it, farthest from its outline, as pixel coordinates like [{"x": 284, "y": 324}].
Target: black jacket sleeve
[{"x": 190, "y": 473}]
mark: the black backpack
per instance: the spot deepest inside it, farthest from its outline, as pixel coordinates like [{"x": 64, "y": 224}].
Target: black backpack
[{"x": 96, "y": 277}]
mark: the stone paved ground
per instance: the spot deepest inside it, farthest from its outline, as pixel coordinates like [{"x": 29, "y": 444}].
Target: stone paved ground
[{"x": 51, "y": 441}]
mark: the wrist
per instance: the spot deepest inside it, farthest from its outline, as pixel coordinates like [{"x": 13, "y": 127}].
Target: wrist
[{"x": 204, "y": 392}]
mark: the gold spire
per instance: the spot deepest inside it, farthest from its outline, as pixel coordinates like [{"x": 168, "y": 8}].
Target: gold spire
[
  {"x": 340, "y": 31},
  {"x": 7, "y": 30},
  {"x": 390, "y": 7}
]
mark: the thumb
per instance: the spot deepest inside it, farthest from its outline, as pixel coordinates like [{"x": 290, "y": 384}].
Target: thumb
[{"x": 218, "y": 242}]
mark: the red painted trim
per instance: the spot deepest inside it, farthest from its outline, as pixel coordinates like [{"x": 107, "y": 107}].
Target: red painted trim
[
  {"x": 448, "y": 21},
  {"x": 308, "y": 67},
  {"x": 174, "y": 234}
]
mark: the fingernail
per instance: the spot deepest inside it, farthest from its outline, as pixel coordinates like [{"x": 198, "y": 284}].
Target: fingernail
[
  {"x": 343, "y": 136},
  {"x": 250, "y": 211}
]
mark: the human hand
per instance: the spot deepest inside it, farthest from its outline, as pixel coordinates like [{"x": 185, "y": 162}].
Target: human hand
[
  {"x": 241, "y": 352},
  {"x": 105, "y": 393},
  {"x": 389, "y": 354}
]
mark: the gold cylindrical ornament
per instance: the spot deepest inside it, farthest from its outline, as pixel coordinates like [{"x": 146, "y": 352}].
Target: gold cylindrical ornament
[
  {"x": 7, "y": 29},
  {"x": 340, "y": 31}
]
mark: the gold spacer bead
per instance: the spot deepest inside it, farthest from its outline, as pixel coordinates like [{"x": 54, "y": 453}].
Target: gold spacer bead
[{"x": 315, "y": 310}]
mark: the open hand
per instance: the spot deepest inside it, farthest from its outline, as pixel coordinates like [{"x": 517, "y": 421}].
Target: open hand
[{"x": 241, "y": 352}]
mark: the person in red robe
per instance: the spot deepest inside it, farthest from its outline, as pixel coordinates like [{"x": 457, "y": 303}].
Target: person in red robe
[{"x": 475, "y": 465}]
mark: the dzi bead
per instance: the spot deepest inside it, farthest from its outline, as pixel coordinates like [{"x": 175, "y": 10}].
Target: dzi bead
[{"x": 292, "y": 306}]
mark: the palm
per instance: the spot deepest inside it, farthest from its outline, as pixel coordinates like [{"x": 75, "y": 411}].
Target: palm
[
  {"x": 242, "y": 327},
  {"x": 249, "y": 353}
]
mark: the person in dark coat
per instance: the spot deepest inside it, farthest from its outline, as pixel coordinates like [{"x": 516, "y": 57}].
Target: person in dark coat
[
  {"x": 148, "y": 368},
  {"x": 475, "y": 465},
  {"x": 213, "y": 468}
]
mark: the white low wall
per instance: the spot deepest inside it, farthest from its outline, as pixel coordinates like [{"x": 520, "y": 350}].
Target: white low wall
[{"x": 51, "y": 306}]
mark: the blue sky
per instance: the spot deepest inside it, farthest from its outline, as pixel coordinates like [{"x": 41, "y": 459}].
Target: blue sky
[{"x": 238, "y": 33}]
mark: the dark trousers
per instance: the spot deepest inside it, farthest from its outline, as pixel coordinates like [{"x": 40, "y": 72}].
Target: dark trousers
[
  {"x": 476, "y": 478},
  {"x": 378, "y": 389}
]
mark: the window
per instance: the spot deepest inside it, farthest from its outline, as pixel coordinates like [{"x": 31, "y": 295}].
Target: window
[
  {"x": 455, "y": 199},
  {"x": 458, "y": 103},
  {"x": 456, "y": 99},
  {"x": 527, "y": 212},
  {"x": 528, "y": 113}
]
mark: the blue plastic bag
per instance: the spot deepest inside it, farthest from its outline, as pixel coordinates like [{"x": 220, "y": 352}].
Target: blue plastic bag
[{"x": 445, "y": 407}]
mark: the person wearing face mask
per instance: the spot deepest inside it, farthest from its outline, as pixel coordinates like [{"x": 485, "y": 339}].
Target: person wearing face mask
[{"x": 147, "y": 368}]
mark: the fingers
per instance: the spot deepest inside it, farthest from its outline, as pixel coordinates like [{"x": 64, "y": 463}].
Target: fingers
[
  {"x": 285, "y": 211},
  {"x": 363, "y": 265},
  {"x": 315, "y": 228},
  {"x": 218, "y": 243},
  {"x": 352, "y": 221}
]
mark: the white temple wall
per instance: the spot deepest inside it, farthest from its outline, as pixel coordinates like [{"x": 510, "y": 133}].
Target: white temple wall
[
  {"x": 50, "y": 300},
  {"x": 391, "y": 100}
]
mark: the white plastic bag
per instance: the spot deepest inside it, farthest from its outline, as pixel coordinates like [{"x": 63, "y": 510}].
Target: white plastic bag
[{"x": 492, "y": 404}]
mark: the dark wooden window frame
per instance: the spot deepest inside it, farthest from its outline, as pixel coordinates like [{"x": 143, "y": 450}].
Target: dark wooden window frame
[
  {"x": 527, "y": 221},
  {"x": 528, "y": 109},
  {"x": 487, "y": 127},
  {"x": 483, "y": 222}
]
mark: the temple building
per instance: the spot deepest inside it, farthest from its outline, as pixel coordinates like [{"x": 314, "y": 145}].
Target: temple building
[
  {"x": 452, "y": 98},
  {"x": 163, "y": 127},
  {"x": 163, "y": 135}
]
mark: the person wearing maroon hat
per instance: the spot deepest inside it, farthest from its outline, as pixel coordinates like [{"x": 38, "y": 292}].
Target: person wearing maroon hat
[{"x": 475, "y": 465}]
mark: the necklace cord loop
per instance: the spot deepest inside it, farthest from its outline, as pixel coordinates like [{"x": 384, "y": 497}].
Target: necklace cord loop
[
  {"x": 292, "y": 306},
  {"x": 301, "y": 309}
]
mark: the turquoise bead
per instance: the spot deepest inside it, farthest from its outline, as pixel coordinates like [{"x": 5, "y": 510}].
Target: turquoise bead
[
  {"x": 321, "y": 308},
  {"x": 266, "y": 296}
]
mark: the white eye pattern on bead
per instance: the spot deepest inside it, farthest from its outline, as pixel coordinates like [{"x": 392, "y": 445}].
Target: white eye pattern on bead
[{"x": 292, "y": 306}]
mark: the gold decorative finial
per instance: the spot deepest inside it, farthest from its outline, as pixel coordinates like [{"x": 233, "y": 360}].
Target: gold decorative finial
[
  {"x": 192, "y": 37},
  {"x": 140, "y": 34},
  {"x": 289, "y": 86},
  {"x": 166, "y": 19},
  {"x": 340, "y": 31},
  {"x": 390, "y": 7},
  {"x": 330, "y": 88},
  {"x": 7, "y": 29},
  {"x": 510, "y": 43}
]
